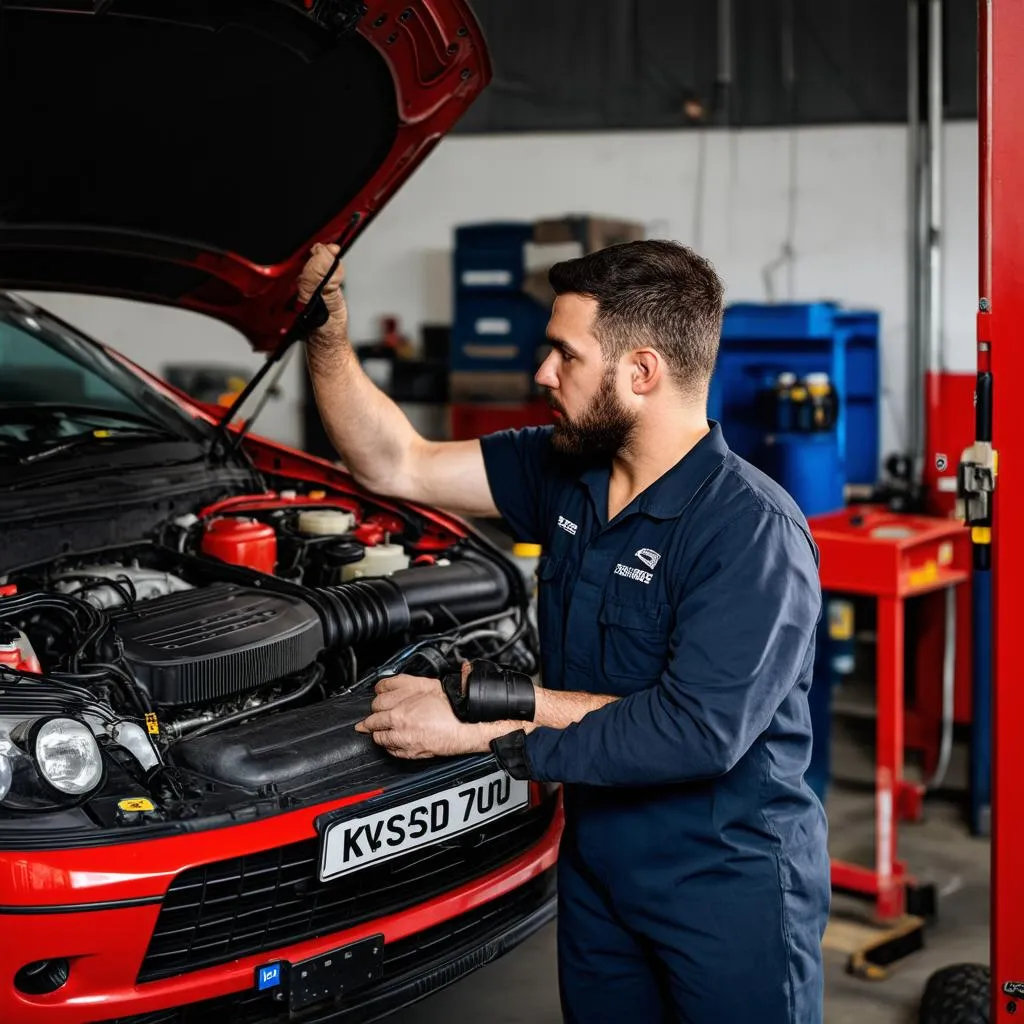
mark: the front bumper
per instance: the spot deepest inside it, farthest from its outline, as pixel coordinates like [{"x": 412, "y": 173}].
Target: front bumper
[
  {"x": 415, "y": 968},
  {"x": 105, "y": 941}
]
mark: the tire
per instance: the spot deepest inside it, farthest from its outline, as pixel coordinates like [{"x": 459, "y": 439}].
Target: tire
[{"x": 959, "y": 994}]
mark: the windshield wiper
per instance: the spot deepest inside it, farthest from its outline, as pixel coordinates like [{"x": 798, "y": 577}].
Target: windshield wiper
[{"x": 97, "y": 436}]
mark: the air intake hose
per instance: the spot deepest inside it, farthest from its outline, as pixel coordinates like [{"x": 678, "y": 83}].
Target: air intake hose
[{"x": 373, "y": 609}]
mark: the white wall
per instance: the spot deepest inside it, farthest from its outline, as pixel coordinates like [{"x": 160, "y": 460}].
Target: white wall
[{"x": 849, "y": 241}]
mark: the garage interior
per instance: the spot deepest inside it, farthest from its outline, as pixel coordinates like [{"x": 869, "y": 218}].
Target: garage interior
[{"x": 835, "y": 160}]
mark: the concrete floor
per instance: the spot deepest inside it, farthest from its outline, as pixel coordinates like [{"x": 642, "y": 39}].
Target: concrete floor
[{"x": 522, "y": 986}]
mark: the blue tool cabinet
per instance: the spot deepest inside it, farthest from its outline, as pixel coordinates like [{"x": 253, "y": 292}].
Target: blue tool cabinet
[{"x": 761, "y": 341}]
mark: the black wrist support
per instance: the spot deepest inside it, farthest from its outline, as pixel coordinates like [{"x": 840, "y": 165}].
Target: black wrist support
[{"x": 491, "y": 694}]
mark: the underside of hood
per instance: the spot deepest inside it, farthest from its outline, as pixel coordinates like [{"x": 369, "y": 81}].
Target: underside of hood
[{"x": 191, "y": 152}]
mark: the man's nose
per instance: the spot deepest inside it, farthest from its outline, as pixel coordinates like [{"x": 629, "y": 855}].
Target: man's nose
[{"x": 545, "y": 375}]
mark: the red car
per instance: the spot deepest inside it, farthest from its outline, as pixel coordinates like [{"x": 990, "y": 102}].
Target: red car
[{"x": 192, "y": 619}]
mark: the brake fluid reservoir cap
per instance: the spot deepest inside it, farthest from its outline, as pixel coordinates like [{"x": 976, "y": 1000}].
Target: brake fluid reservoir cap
[{"x": 325, "y": 522}]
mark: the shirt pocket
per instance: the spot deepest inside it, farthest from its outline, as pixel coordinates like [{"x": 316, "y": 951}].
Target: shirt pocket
[{"x": 634, "y": 642}]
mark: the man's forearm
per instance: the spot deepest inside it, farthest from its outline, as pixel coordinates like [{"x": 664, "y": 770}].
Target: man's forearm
[
  {"x": 558, "y": 709},
  {"x": 374, "y": 441},
  {"x": 555, "y": 710}
]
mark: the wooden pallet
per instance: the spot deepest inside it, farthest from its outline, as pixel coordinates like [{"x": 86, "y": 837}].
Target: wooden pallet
[{"x": 873, "y": 950}]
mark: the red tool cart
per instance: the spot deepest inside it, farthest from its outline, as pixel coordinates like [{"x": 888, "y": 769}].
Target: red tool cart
[{"x": 868, "y": 551}]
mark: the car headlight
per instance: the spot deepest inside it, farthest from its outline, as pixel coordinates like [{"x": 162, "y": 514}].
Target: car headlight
[
  {"x": 67, "y": 755},
  {"x": 6, "y": 774}
]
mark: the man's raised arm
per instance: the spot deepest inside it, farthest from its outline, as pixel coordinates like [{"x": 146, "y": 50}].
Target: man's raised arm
[{"x": 376, "y": 441}]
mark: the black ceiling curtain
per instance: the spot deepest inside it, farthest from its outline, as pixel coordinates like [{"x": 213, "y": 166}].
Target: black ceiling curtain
[{"x": 598, "y": 65}]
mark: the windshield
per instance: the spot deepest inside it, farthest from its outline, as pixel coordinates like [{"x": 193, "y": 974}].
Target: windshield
[{"x": 55, "y": 386}]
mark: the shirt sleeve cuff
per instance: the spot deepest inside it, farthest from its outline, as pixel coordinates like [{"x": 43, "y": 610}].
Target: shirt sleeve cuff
[{"x": 510, "y": 750}]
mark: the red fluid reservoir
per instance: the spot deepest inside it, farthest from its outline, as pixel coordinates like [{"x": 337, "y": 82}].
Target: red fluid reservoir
[
  {"x": 16, "y": 651},
  {"x": 241, "y": 541}
]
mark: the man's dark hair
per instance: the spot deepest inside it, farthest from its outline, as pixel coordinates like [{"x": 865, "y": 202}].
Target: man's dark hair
[{"x": 652, "y": 293}]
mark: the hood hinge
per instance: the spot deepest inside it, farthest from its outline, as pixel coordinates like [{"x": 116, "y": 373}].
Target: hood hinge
[{"x": 340, "y": 16}]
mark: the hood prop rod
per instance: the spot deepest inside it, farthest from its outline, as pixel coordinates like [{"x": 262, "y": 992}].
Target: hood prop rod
[{"x": 313, "y": 315}]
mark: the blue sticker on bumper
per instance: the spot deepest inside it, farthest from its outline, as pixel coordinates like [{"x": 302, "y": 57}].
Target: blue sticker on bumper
[{"x": 268, "y": 977}]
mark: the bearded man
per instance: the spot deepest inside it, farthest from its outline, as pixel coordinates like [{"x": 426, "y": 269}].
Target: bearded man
[{"x": 678, "y": 605}]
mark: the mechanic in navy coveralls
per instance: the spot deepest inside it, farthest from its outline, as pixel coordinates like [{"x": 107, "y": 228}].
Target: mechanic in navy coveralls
[{"x": 678, "y": 603}]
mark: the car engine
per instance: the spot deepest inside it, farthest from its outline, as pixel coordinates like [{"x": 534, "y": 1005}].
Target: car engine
[{"x": 229, "y": 657}]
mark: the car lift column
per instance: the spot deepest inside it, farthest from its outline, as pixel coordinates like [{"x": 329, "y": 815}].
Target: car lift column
[{"x": 1001, "y": 352}]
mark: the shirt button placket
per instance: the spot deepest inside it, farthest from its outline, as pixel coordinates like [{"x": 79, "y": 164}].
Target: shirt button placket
[{"x": 583, "y": 633}]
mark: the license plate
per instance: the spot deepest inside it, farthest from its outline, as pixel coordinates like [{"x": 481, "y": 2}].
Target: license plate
[
  {"x": 335, "y": 973},
  {"x": 325, "y": 976},
  {"x": 354, "y": 843}
]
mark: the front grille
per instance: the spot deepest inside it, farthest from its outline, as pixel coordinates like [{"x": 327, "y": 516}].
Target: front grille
[
  {"x": 452, "y": 948},
  {"x": 263, "y": 901}
]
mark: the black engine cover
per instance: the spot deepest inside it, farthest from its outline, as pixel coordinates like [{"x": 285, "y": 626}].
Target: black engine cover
[
  {"x": 212, "y": 642},
  {"x": 288, "y": 749}
]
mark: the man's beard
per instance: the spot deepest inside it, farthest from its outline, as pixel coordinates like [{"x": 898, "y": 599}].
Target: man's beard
[{"x": 604, "y": 428}]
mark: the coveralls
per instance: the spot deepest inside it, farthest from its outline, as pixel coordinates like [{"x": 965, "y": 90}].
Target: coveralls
[{"x": 694, "y": 874}]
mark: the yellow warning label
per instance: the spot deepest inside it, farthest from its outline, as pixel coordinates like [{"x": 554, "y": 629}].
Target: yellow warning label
[
  {"x": 152, "y": 726},
  {"x": 927, "y": 573},
  {"x": 136, "y": 803},
  {"x": 840, "y": 620}
]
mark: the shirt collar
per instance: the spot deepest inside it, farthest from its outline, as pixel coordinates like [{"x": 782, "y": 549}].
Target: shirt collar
[{"x": 669, "y": 495}]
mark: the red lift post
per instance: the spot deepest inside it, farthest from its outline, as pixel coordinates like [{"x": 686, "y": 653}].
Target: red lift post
[
  {"x": 998, "y": 541},
  {"x": 1001, "y": 352}
]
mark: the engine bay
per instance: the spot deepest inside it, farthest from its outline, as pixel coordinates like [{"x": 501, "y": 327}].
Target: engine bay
[{"x": 218, "y": 667}]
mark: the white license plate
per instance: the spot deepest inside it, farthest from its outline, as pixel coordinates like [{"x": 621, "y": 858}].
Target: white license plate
[{"x": 356, "y": 843}]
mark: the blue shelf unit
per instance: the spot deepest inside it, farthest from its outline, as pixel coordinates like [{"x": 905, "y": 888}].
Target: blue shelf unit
[
  {"x": 496, "y": 326},
  {"x": 761, "y": 341}
]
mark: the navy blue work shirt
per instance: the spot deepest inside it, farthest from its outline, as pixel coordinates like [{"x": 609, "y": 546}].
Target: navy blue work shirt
[{"x": 698, "y": 606}]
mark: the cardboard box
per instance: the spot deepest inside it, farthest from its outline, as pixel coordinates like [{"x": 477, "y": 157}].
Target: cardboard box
[
  {"x": 586, "y": 233},
  {"x": 487, "y": 386},
  {"x": 592, "y": 233}
]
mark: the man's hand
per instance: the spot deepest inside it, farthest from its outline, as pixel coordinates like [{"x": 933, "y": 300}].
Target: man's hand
[
  {"x": 319, "y": 262},
  {"x": 412, "y": 718}
]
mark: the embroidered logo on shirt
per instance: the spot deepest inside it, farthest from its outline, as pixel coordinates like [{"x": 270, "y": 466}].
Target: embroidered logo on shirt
[
  {"x": 648, "y": 557},
  {"x": 568, "y": 526},
  {"x": 633, "y": 574}
]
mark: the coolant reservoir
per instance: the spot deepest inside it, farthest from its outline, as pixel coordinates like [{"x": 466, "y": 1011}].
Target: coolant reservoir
[
  {"x": 325, "y": 522},
  {"x": 377, "y": 561},
  {"x": 241, "y": 541}
]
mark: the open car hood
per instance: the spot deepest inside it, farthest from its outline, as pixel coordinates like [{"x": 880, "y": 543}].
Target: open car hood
[{"x": 191, "y": 151}]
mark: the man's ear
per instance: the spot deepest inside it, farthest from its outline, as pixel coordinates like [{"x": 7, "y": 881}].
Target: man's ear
[{"x": 646, "y": 370}]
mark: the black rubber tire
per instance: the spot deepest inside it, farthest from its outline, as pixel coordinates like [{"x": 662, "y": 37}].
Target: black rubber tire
[{"x": 959, "y": 994}]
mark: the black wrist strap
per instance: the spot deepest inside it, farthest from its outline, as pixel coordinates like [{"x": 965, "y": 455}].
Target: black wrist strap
[
  {"x": 491, "y": 694},
  {"x": 510, "y": 750}
]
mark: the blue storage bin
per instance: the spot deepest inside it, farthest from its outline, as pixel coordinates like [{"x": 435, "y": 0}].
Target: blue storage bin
[
  {"x": 494, "y": 235},
  {"x": 490, "y": 257},
  {"x": 488, "y": 270},
  {"x": 498, "y": 333}
]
